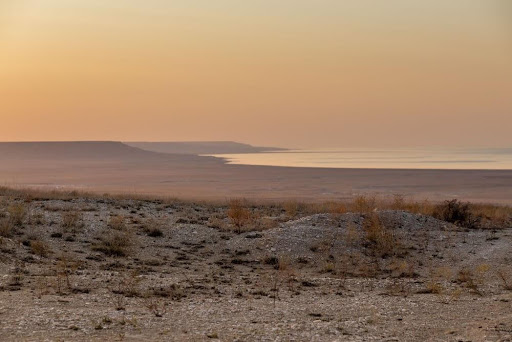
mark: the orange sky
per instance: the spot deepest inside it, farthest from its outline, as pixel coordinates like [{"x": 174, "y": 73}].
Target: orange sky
[{"x": 296, "y": 73}]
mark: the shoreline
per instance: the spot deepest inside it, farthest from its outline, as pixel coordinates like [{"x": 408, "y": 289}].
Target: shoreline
[{"x": 117, "y": 168}]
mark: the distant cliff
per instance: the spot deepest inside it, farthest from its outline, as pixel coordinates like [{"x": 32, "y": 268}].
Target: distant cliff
[{"x": 201, "y": 147}]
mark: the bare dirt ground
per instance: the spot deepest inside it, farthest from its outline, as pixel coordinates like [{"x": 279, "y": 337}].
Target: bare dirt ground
[{"x": 87, "y": 269}]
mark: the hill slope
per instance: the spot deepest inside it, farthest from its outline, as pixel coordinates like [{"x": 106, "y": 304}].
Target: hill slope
[
  {"x": 71, "y": 150},
  {"x": 200, "y": 147}
]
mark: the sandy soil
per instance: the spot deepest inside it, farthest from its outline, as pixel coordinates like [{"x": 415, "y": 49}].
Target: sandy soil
[{"x": 114, "y": 167}]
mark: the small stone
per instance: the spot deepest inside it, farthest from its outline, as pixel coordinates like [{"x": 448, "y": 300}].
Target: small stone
[{"x": 254, "y": 236}]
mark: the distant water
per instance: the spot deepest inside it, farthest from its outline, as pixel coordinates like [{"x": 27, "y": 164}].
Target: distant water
[{"x": 403, "y": 158}]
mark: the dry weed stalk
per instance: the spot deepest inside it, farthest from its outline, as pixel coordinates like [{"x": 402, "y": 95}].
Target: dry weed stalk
[
  {"x": 239, "y": 215},
  {"x": 505, "y": 279}
]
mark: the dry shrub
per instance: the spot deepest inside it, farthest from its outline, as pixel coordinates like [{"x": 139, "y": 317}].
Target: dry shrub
[
  {"x": 464, "y": 275},
  {"x": 242, "y": 219},
  {"x": 465, "y": 214},
  {"x": 402, "y": 269},
  {"x": 436, "y": 277},
  {"x": 216, "y": 222},
  {"x": 72, "y": 220},
  {"x": 434, "y": 287},
  {"x": 473, "y": 279},
  {"x": 456, "y": 212},
  {"x": 398, "y": 202},
  {"x": 506, "y": 279},
  {"x": 239, "y": 215},
  {"x": 336, "y": 208},
  {"x": 363, "y": 204},
  {"x": 64, "y": 268},
  {"x": 6, "y": 228},
  {"x": 153, "y": 228},
  {"x": 380, "y": 239},
  {"x": 117, "y": 222},
  {"x": 114, "y": 243},
  {"x": 492, "y": 216},
  {"x": 17, "y": 213},
  {"x": 481, "y": 272},
  {"x": 424, "y": 208},
  {"x": 291, "y": 208},
  {"x": 40, "y": 248}
]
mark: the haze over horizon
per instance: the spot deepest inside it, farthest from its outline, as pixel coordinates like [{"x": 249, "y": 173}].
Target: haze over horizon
[{"x": 289, "y": 73}]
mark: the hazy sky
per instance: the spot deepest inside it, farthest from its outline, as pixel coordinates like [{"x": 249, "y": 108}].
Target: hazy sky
[{"x": 298, "y": 73}]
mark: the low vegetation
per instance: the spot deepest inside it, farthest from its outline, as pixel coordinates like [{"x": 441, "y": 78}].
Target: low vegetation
[
  {"x": 239, "y": 215},
  {"x": 39, "y": 248},
  {"x": 72, "y": 221},
  {"x": 17, "y": 213},
  {"x": 117, "y": 222},
  {"x": 114, "y": 243},
  {"x": 382, "y": 241},
  {"x": 153, "y": 228},
  {"x": 6, "y": 228},
  {"x": 107, "y": 266}
]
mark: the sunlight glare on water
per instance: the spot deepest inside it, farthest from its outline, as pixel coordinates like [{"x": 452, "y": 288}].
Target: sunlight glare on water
[{"x": 417, "y": 158}]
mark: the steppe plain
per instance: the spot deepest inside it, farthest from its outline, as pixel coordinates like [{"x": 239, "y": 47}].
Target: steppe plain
[{"x": 186, "y": 248}]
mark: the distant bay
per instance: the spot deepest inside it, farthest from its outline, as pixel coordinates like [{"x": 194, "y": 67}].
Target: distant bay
[{"x": 380, "y": 158}]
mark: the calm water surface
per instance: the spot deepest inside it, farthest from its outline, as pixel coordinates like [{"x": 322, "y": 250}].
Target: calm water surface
[{"x": 413, "y": 158}]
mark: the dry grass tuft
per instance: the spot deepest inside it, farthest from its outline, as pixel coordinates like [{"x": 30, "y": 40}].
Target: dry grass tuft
[
  {"x": 434, "y": 287},
  {"x": 114, "y": 243},
  {"x": 117, "y": 222},
  {"x": 71, "y": 220},
  {"x": 506, "y": 279},
  {"x": 492, "y": 216},
  {"x": 291, "y": 208},
  {"x": 380, "y": 239},
  {"x": 6, "y": 228},
  {"x": 482, "y": 215},
  {"x": 474, "y": 279},
  {"x": 40, "y": 248},
  {"x": 239, "y": 215},
  {"x": 153, "y": 228},
  {"x": 456, "y": 212},
  {"x": 17, "y": 213},
  {"x": 364, "y": 204}
]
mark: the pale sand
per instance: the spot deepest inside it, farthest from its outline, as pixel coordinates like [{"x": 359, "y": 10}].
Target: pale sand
[{"x": 187, "y": 176}]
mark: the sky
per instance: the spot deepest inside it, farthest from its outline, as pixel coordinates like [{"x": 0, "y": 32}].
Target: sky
[{"x": 291, "y": 73}]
